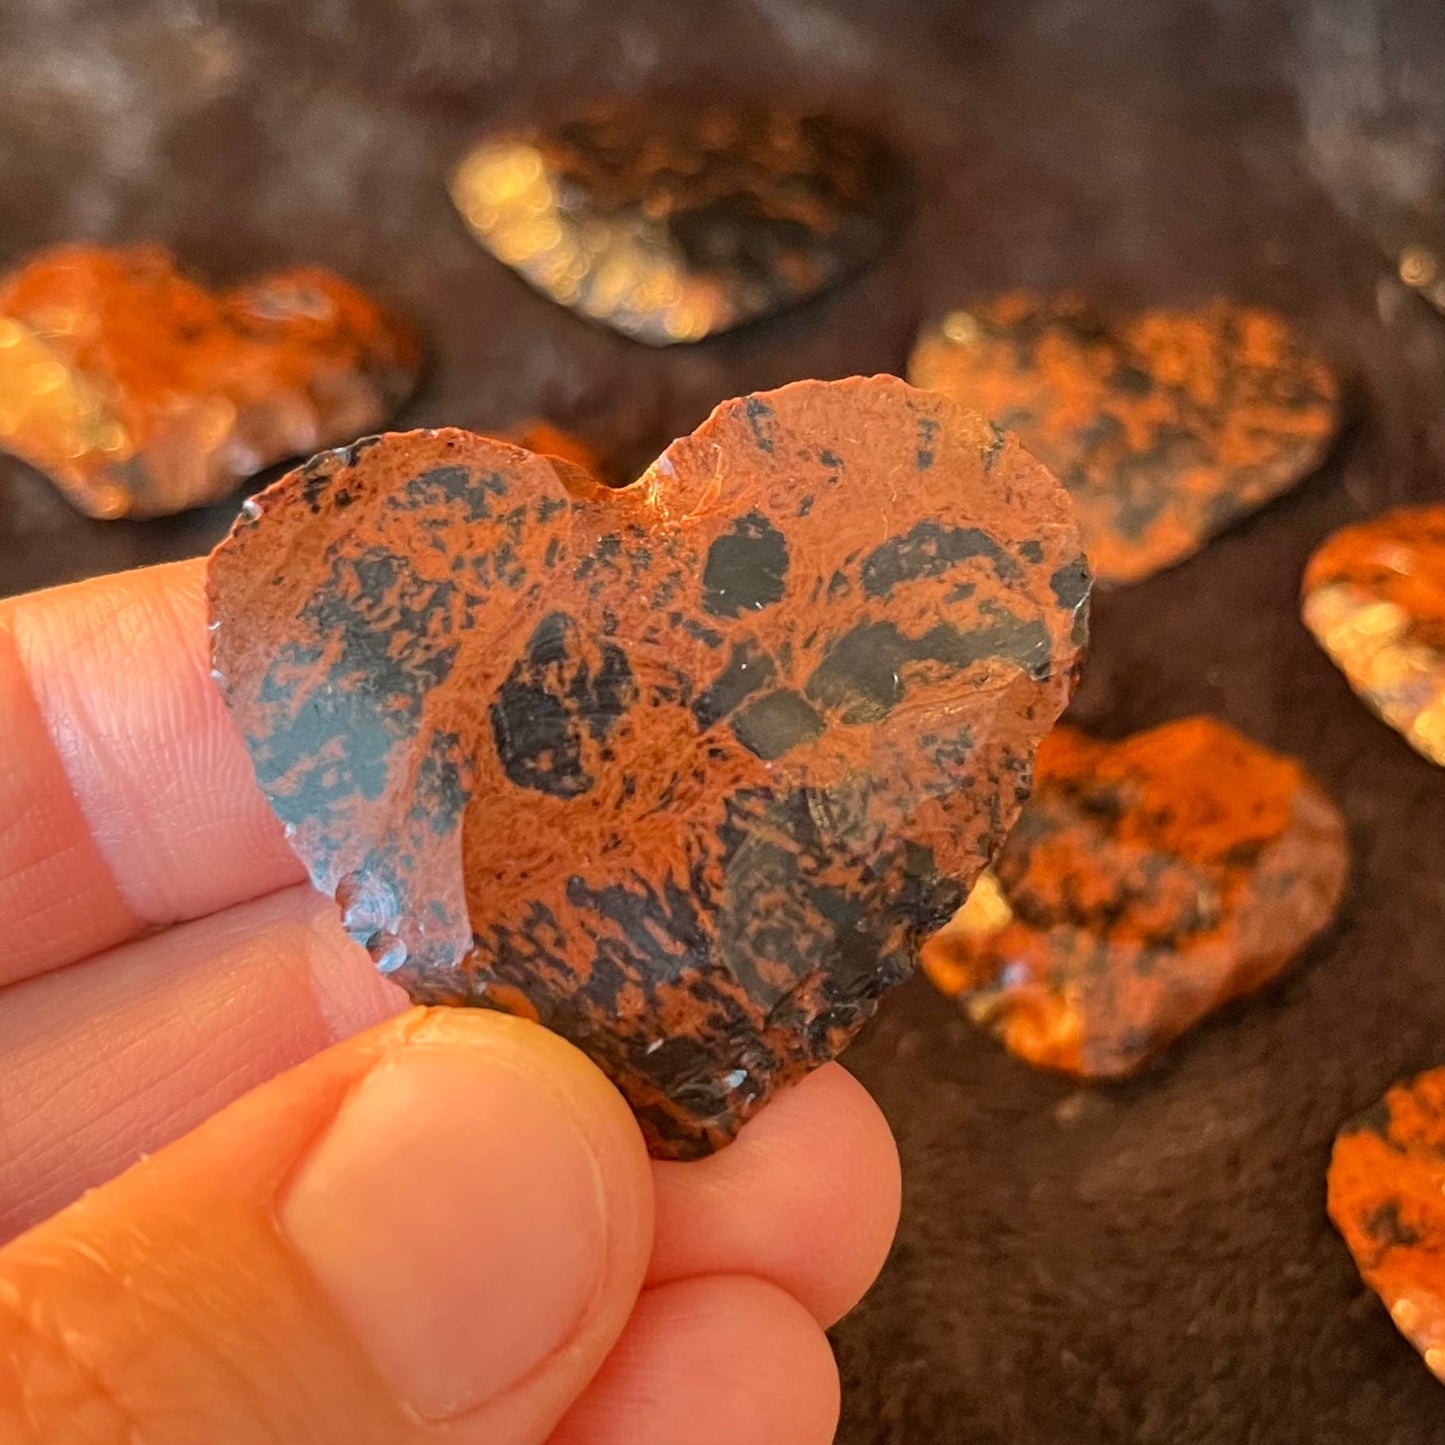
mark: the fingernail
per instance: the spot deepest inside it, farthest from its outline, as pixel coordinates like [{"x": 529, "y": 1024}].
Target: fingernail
[{"x": 455, "y": 1215}]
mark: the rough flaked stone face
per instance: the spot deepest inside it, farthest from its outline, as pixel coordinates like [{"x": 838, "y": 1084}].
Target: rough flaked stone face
[
  {"x": 1145, "y": 883},
  {"x": 1166, "y": 426},
  {"x": 687, "y": 770},
  {"x": 1374, "y": 597},
  {"x": 139, "y": 393},
  {"x": 1387, "y": 1198},
  {"x": 672, "y": 222}
]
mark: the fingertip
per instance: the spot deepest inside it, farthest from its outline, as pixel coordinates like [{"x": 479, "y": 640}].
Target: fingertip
[
  {"x": 446, "y": 1218},
  {"x": 807, "y": 1197},
  {"x": 107, "y": 686},
  {"x": 477, "y": 1206},
  {"x": 722, "y": 1360}
]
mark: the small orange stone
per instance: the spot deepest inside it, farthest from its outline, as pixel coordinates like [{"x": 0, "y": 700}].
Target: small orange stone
[
  {"x": 1146, "y": 882},
  {"x": 1165, "y": 428},
  {"x": 672, "y": 221},
  {"x": 1374, "y": 597},
  {"x": 1387, "y": 1198},
  {"x": 550, "y": 441},
  {"x": 139, "y": 393}
]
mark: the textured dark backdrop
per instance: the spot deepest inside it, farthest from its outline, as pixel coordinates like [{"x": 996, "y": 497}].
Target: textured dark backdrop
[{"x": 1146, "y": 1263}]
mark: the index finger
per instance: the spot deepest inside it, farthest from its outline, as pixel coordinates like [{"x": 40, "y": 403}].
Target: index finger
[{"x": 126, "y": 796}]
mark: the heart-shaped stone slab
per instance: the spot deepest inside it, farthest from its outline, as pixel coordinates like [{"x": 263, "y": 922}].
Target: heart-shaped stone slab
[
  {"x": 1387, "y": 1198},
  {"x": 686, "y": 770},
  {"x": 139, "y": 393},
  {"x": 1147, "y": 882},
  {"x": 1166, "y": 426},
  {"x": 1374, "y": 597},
  {"x": 673, "y": 221}
]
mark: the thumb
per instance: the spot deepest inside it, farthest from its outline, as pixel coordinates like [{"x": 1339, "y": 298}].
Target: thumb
[{"x": 434, "y": 1231}]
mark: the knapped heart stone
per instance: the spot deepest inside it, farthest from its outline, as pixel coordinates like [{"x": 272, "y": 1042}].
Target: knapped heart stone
[
  {"x": 686, "y": 770},
  {"x": 1387, "y": 1198},
  {"x": 1166, "y": 427},
  {"x": 1374, "y": 597},
  {"x": 670, "y": 222},
  {"x": 139, "y": 393},
  {"x": 1145, "y": 883}
]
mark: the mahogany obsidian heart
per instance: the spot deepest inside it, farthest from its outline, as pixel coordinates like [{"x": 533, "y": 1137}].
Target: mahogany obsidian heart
[
  {"x": 1387, "y": 1198},
  {"x": 140, "y": 393},
  {"x": 686, "y": 770},
  {"x": 673, "y": 220},
  {"x": 1374, "y": 597},
  {"x": 1146, "y": 883},
  {"x": 1166, "y": 427}
]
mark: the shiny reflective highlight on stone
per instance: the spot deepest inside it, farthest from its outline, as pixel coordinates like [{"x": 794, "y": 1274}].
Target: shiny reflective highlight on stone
[
  {"x": 1165, "y": 428},
  {"x": 1374, "y": 597},
  {"x": 673, "y": 768},
  {"x": 1146, "y": 883},
  {"x": 138, "y": 393},
  {"x": 670, "y": 223},
  {"x": 1387, "y": 1198}
]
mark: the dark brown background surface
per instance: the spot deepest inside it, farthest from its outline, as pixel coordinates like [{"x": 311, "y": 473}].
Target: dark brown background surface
[{"x": 1146, "y": 1263}]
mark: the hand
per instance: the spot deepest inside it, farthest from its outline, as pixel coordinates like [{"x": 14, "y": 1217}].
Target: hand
[{"x": 435, "y": 1226}]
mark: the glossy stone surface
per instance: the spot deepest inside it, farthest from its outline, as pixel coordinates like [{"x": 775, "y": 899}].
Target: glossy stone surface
[
  {"x": 688, "y": 769},
  {"x": 670, "y": 222},
  {"x": 1146, "y": 882},
  {"x": 1387, "y": 1198},
  {"x": 1374, "y": 597},
  {"x": 1166, "y": 427},
  {"x": 139, "y": 393}
]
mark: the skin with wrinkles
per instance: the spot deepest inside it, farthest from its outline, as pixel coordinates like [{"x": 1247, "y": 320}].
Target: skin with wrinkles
[{"x": 687, "y": 770}]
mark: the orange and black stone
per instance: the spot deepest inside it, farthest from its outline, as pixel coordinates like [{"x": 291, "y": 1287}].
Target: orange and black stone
[
  {"x": 1165, "y": 427},
  {"x": 673, "y": 221},
  {"x": 1387, "y": 1198},
  {"x": 139, "y": 393},
  {"x": 1146, "y": 882},
  {"x": 687, "y": 770},
  {"x": 1374, "y": 597}
]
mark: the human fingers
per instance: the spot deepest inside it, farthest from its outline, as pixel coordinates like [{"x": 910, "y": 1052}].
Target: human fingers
[
  {"x": 126, "y": 795},
  {"x": 723, "y": 1360},
  {"x": 432, "y": 1232},
  {"x": 117, "y": 1056},
  {"x": 807, "y": 1197}
]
